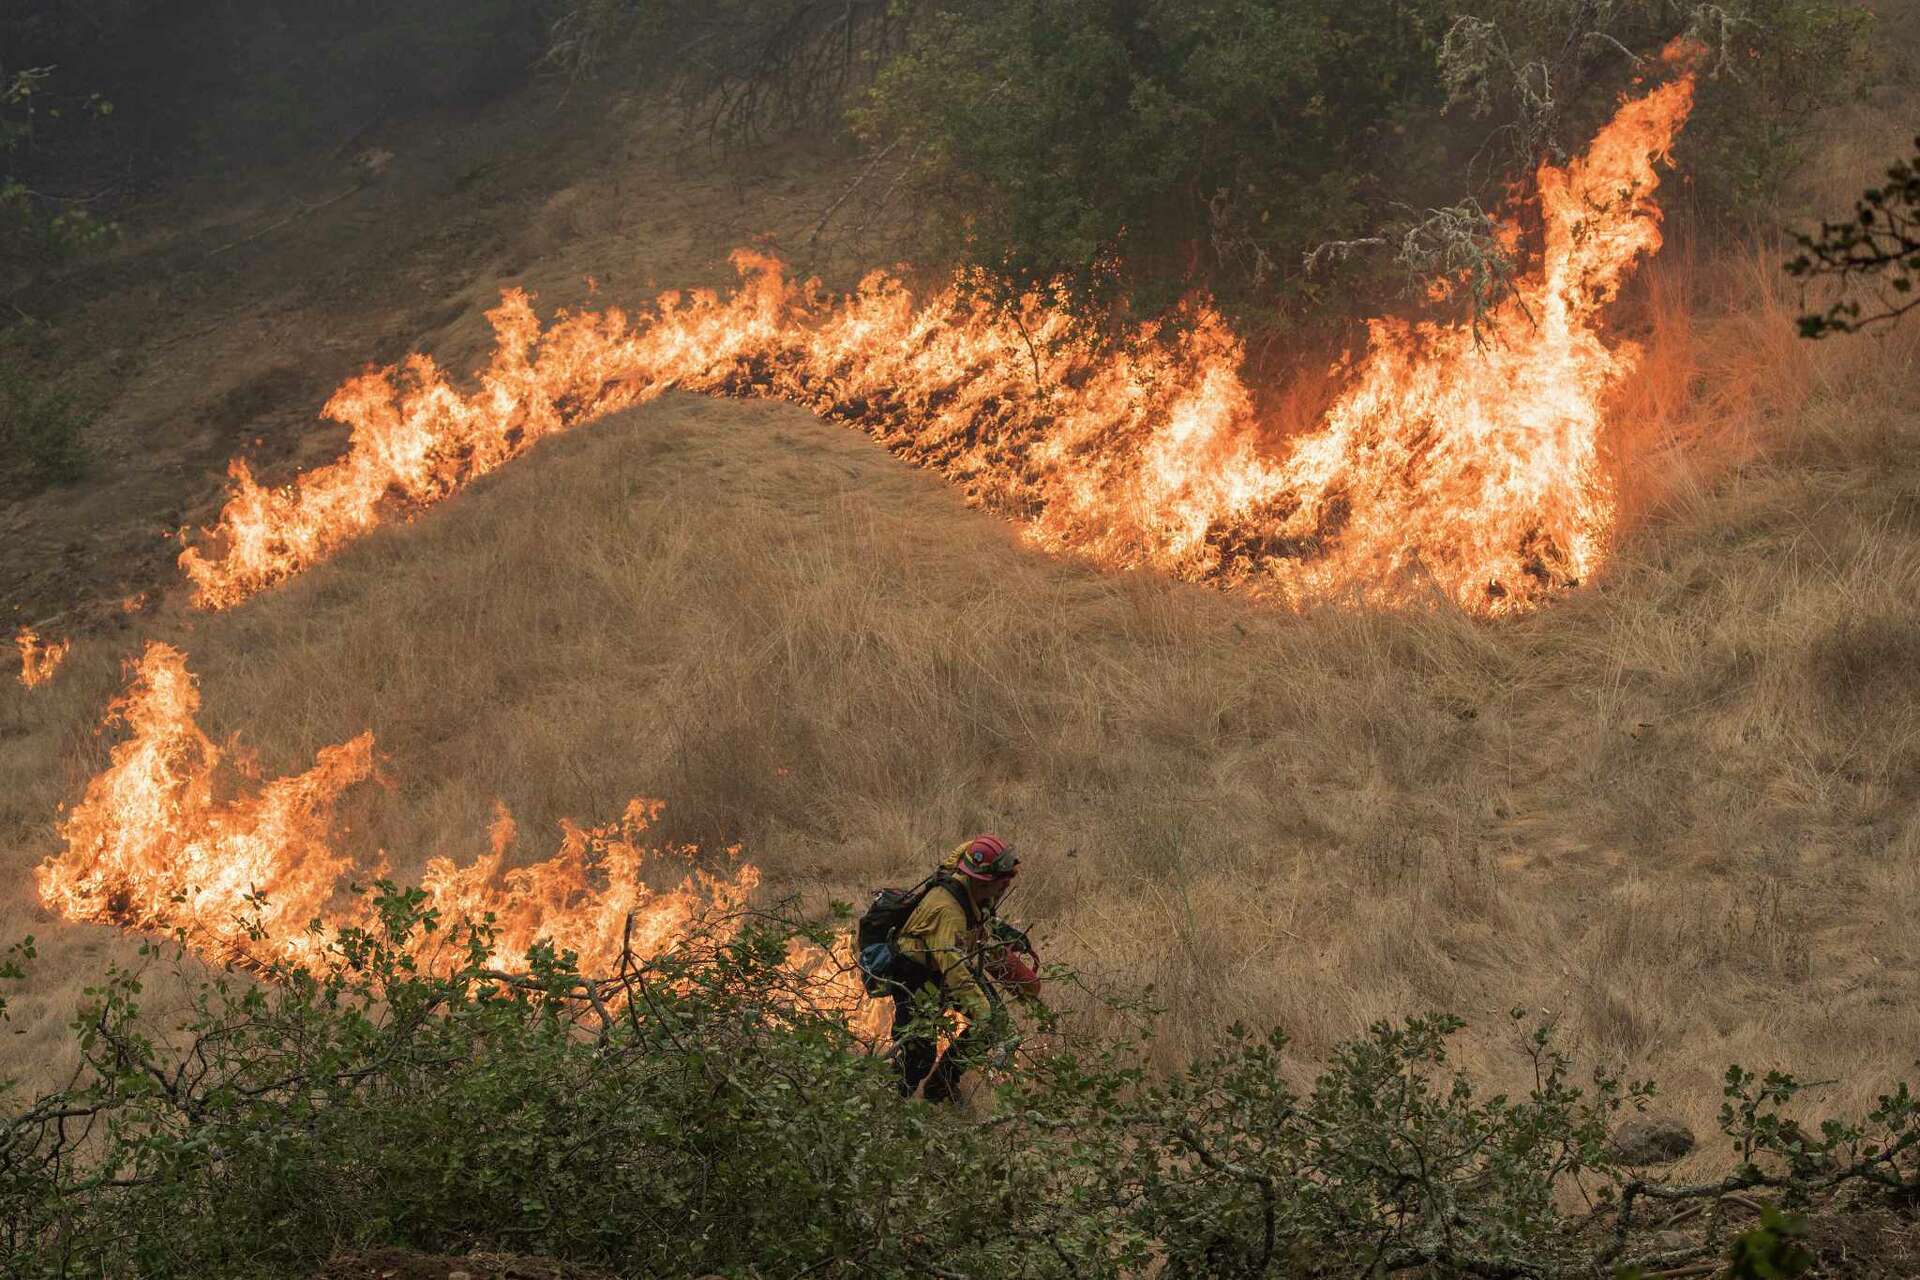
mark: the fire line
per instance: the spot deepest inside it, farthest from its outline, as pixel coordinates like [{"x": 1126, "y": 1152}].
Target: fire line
[
  {"x": 1456, "y": 465},
  {"x": 247, "y": 872},
  {"x": 156, "y": 843}
]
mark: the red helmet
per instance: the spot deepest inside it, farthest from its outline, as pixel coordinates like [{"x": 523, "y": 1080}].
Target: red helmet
[{"x": 987, "y": 858}]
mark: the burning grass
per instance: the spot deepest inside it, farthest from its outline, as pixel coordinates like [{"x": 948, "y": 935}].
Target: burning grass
[
  {"x": 1660, "y": 810},
  {"x": 39, "y": 659},
  {"x": 254, "y": 875},
  {"x": 1459, "y": 464}
]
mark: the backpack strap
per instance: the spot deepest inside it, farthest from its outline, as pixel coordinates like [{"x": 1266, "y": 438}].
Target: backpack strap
[
  {"x": 951, "y": 883},
  {"x": 940, "y": 880},
  {"x": 912, "y": 904},
  {"x": 919, "y": 974}
]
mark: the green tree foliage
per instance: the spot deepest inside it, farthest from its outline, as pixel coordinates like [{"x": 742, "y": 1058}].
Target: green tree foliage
[
  {"x": 1545, "y": 73},
  {"x": 1147, "y": 145},
  {"x": 30, "y": 220},
  {"x": 1773, "y": 1250},
  {"x": 1879, "y": 247},
  {"x": 695, "y": 1115},
  {"x": 700, "y": 1113},
  {"x": 1142, "y": 147},
  {"x": 1388, "y": 1163},
  {"x": 1771, "y": 66}
]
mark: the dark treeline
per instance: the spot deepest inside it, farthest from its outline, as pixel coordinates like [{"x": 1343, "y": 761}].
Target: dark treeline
[
  {"x": 197, "y": 82},
  {"x": 104, "y": 102},
  {"x": 1137, "y": 149}
]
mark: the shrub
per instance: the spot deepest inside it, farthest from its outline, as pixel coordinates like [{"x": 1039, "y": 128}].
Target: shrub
[
  {"x": 30, "y": 221},
  {"x": 702, "y": 1112},
  {"x": 1545, "y": 74},
  {"x": 1141, "y": 148},
  {"x": 712, "y": 1120},
  {"x": 40, "y": 432},
  {"x": 1774, "y": 65}
]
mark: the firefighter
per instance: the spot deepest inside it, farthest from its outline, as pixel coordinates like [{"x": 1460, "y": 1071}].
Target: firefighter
[{"x": 934, "y": 972}]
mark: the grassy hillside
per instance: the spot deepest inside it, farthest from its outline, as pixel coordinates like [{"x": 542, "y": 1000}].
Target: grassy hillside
[{"x": 1674, "y": 810}]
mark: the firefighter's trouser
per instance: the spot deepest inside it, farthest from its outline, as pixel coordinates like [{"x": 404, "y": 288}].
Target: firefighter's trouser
[{"x": 916, "y": 1052}]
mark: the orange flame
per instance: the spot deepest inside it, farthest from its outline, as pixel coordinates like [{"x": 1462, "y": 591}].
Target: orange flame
[
  {"x": 39, "y": 660},
  {"x": 152, "y": 845},
  {"x": 1456, "y": 463},
  {"x": 1471, "y": 460},
  {"x": 582, "y": 897}
]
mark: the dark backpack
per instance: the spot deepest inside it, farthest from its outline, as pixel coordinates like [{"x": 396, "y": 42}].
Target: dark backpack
[{"x": 883, "y": 970}]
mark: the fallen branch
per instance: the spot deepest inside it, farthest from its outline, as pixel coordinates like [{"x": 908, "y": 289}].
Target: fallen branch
[
  {"x": 872, "y": 166},
  {"x": 1875, "y": 1167},
  {"x": 290, "y": 218}
]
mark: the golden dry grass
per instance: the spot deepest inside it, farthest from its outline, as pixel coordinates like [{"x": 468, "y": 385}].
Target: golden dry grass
[{"x": 1675, "y": 812}]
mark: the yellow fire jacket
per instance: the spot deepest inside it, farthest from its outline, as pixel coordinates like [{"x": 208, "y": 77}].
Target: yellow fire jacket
[{"x": 937, "y": 936}]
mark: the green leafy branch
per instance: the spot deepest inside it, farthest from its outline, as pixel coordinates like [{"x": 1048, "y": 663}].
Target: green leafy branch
[{"x": 1880, "y": 245}]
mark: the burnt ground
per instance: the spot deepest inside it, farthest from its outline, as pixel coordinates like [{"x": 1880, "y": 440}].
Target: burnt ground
[
  {"x": 1870, "y": 1243},
  {"x": 1849, "y": 1236},
  {"x": 235, "y": 303}
]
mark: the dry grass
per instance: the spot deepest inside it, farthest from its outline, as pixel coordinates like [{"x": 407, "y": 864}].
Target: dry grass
[{"x": 1676, "y": 812}]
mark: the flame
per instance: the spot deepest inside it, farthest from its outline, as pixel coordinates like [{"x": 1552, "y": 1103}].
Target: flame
[
  {"x": 1457, "y": 463},
  {"x": 151, "y": 845},
  {"x": 154, "y": 845},
  {"x": 583, "y": 896},
  {"x": 38, "y": 659}
]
